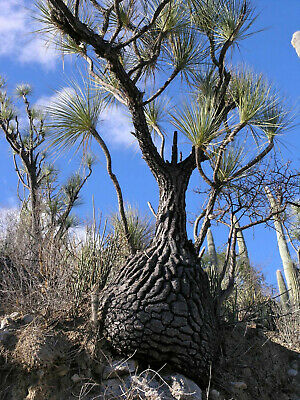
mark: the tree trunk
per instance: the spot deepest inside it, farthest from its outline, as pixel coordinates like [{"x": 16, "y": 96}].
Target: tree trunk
[{"x": 159, "y": 308}]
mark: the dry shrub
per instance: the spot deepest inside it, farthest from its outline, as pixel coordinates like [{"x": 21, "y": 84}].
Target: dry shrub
[
  {"x": 41, "y": 347},
  {"x": 58, "y": 278},
  {"x": 33, "y": 282},
  {"x": 250, "y": 300},
  {"x": 287, "y": 324}
]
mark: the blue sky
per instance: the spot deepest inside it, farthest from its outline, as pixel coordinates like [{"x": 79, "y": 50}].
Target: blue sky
[{"x": 23, "y": 58}]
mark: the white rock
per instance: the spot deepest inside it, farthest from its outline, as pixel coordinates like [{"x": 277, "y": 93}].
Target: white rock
[
  {"x": 148, "y": 386},
  {"x": 119, "y": 368},
  {"x": 14, "y": 315},
  {"x": 296, "y": 42},
  {"x": 183, "y": 388},
  {"x": 6, "y": 321},
  {"x": 292, "y": 372},
  {"x": 239, "y": 385},
  {"x": 76, "y": 378}
]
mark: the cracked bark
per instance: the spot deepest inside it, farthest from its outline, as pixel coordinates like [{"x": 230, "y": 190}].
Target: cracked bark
[{"x": 159, "y": 307}]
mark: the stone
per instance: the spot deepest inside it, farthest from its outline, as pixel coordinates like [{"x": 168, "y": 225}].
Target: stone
[
  {"x": 112, "y": 388},
  {"x": 76, "y": 378},
  {"x": 239, "y": 385},
  {"x": 27, "y": 319},
  {"x": 119, "y": 368},
  {"x": 292, "y": 372},
  {"x": 6, "y": 321},
  {"x": 183, "y": 388},
  {"x": 148, "y": 386},
  {"x": 296, "y": 42},
  {"x": 14, "y": 315}
]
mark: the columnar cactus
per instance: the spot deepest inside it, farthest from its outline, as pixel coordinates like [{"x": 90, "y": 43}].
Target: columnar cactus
[
  {"x": 290, "y": 270},
  {"x": 284, "y": 296},
  {"x": 243, "y": 252},
  {"x": 212, "y": 251}
]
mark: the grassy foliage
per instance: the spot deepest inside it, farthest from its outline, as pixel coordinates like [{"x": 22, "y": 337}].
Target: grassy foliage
[{"x": 68, "y": 270}]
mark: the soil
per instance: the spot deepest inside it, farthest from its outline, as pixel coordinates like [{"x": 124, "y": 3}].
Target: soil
[{"x": 64, "y": 361}]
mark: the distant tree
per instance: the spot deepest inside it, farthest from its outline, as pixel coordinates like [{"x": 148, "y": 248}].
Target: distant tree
[
  {"x": 159, "y": 306},
  {"x": 48, "y": 206}
]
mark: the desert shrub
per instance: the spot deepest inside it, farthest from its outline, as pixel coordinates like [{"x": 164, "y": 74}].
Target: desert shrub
[
  {"x": 287, "y": 325},
  {"x": 98, "y": 256},
  {"x": 28, "y": 286},
  {"x": 68, "y": 270}
]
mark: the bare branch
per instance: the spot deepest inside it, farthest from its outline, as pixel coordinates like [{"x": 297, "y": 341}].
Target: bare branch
[
  {"x": 117, "y": 187},
  {"x": 151, "y": 208}
]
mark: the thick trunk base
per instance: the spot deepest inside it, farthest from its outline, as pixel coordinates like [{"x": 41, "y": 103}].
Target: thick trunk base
[{"x": 159, "y": 309}]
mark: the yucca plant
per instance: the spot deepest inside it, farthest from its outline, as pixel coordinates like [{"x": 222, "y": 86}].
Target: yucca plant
[{"x": 138, "y": 50}]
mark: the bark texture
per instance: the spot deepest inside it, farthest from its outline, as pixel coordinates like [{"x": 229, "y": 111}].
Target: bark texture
[{"x": 159, "y": 307}]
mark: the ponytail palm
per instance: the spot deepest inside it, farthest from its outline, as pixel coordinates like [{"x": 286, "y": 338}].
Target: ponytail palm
[
  {"x": 159, "y": 306},
  {"x": 75, "y": 114}
]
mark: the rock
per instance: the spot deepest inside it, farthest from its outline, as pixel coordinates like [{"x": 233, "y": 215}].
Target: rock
[
  {"x": 6, "y": 321},
  {"x": 292, "y": 372},
  {"x": 27, "y": 319},
  {"x": 15, "y": 315},
  {"x": 183, "y": 388},
  {"x": 145, "y": 386},
  {"x": 119, "y": 368},
  {"x": 214, "y": 394},
  {"x": 247, "y": 372},
  {"x": 149, "y": 387},
  {"x": 120, "y": 380},
  {"x": 296, "y": 42},
  {"x": 76, "y": 378},
  {"x": 112, "y": 388},
  {"x": 239, "y": 385}
]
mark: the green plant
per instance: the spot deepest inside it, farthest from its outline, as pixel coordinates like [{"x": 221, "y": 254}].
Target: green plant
[{"x": 125, "y": 54}]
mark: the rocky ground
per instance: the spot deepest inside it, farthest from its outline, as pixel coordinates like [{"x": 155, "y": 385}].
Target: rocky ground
[{"x": 66, "y": 360}]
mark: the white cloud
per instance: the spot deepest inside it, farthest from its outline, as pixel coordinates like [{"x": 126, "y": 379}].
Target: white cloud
[
  {"x": 8, "y": 216},
  {"x": 296, "y": 42},
  {"x": 17, "y": 39},
  {"x": 116, "y": 127},
  {"x": 78, "y": 233},
  {"x": 47, "y": 101},
  {"x": 114, "y": 124}
]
